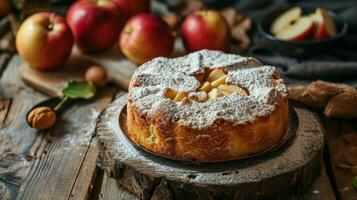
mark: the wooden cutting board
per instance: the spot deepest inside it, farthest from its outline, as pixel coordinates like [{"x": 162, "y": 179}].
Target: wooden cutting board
[{"x": 119, "y": 70}]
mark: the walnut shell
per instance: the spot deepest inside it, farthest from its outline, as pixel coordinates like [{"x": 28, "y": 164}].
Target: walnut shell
[
  {"x": 97, "y": 75},
  {"x": 42, "y": 118}
]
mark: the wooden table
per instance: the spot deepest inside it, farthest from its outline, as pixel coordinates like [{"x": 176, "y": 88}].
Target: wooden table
[{"x": 61, "y": 163}]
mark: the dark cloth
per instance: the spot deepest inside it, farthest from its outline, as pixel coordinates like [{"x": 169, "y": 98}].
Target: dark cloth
[{"x": 337, "y": 64}]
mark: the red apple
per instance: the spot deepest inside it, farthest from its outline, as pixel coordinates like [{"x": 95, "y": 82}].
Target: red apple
[
  {"x": 324, "y": 25},
  {"x": 4, "y": 7},
  {"x": 285, "y": 20},
  {"x": 44, "y": 40},
  {"x": 133, "y": 7},
  {"x": 300, "y": 30},
  {"x": 95, "y": 24},
  {"x": 115, "y": 10},
  {"x": 206, "y": 29},
  {"x": 145, "y": 37}
]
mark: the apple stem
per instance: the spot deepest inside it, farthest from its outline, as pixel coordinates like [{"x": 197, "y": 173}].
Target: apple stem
[
  {"x": 50, "y": 27},
  {"x": 60, "y": 104},
  {"x": 51, "y": 22}
]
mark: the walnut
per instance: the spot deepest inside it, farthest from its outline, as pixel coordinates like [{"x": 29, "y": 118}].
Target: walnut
[
  {"x": 97, "y": 75},
  {"x": 42, "y": 118}
]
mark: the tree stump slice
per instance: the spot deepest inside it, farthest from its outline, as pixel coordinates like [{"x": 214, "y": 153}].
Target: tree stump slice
[{"x": 286, "y": 172}]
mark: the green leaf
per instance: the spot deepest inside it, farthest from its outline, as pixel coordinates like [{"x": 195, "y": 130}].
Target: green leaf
[
  {"x": 79, "y": 89},
  {"x": 354, "y": 182}
]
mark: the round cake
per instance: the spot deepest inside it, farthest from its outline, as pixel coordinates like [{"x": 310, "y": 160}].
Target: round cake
[{"x": 206, "y": 106}]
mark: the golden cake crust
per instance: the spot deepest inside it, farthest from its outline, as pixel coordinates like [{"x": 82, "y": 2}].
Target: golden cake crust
[
  {"x": 224, "y": 128},
  {"x": 221, "y": 141}
]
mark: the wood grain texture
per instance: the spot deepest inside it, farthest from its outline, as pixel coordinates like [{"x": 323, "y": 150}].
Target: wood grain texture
[
  {"x": 83, "y": 186},
  {"x": 118, "y": 68},
  {"x": 4, "y": 58},
  {"x": 4, "y": 26},
  {"x": 320, "y": 190},
  {"x": 16, "y": 137},
  {"x": 10, "y": 75},
  {"x": 342, "y": 143},
  {"x": 110, "y": 190},
  {"x": 4, "y": 109},
  {"x": 66, "y": 151},
  {"x": 50, "y": 164},
  {"x": 277, "y": 175}
]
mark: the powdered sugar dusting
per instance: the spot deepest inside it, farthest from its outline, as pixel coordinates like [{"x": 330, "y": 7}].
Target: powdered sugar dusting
[{"x": 153, "y": 77}]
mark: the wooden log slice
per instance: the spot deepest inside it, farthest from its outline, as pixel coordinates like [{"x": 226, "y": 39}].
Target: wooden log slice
[{"x": 288, "y": 171}]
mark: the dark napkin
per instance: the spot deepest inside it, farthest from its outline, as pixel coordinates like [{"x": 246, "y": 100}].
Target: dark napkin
[
  {"x": 337, "y": 64},
  {"x": 328, "y": 66}
]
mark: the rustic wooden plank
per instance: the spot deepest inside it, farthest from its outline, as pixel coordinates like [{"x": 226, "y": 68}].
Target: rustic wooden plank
[
  {"x": 4, "y": 109},
  {"x": 321, "y": 189},
  {"x": 52, "y": 82},
  {"x": 87, "y": 175},
  {"x": 344, "y": 174},
  {"x": 44, "y": 150},
  {"x": 10, "y": 75},
  {"x": 4, "y": 58},
  {"x": 110, "y": 190},
  {"x": 4, "y": 103},
  {"x": 4, "y": 26},
  {"x": 343, "y": 168},
  {"x": 7, "y": 42},
  {"x": 53, "y": 175},
  {"x": 118, "y": 67},
  {"x": 331, "y": 129},
  {"x": 16, "y": 137}
]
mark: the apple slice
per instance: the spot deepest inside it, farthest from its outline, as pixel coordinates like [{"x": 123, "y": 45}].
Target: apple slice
[
  {"x": 180, "y": 95},
  {"x": 198, "y": 96},
  {"x": 300, "y": 30},
  {"x": 230, "y": 89},
  {"x": 215, "y": 74},
  {"x": 219, "y": 81},
  {"x": 285, "y": 20},
  {"x": 215, "y": 93},
  {"x": 206, "y": 86},
  {"x": 324, "y": 25},
  {"x": 170, "y": 93}
]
